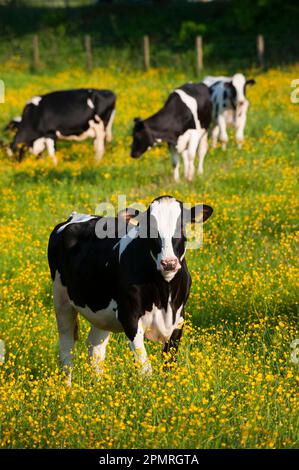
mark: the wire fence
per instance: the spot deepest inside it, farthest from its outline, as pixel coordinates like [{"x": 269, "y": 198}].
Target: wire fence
[{"x": 40, "y": 53}]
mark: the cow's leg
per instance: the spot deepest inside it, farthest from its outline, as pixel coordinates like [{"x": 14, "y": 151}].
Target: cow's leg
[
  {"x": 175, "y": 158},
  {"x": 215, "y": 136},
  {"x": 109, "y": 127},
  {"x": 223, "y": 131},
  {"x": 185, "y": 156},
  {"x": 192, "y": 148},
  {"x": 97, "y": 343},
  {"x": 67, "y": 323},
  {"x": 202, "y": 150},
  {"x": 38, "y": 146},
  {"x": 50, "y": 144},
  {"x": 136, "y": 341},
  {"x": 170, "y": 348},
  {"x": 240, "y": 124},
  {"x": 99, "y": 141}
]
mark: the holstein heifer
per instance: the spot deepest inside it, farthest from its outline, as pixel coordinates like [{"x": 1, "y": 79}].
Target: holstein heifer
[
  {"x": 136, "y": 282},
  {"x": 182, "y": 122},
  {"x": 71, "y": 115},
  {"x": 230, "y": 106}
]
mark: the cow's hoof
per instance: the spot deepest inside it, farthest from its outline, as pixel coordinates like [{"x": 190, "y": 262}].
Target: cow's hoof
[
  {"x": 146, "y": 370},
  {"x": 223, "y": 146}
]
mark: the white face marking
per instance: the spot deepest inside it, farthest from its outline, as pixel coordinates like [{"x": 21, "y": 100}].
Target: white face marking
[
  {"x": 76, "y": 219},
  {"x": 166, "y": 212},
  {"x": 35, "y": 100},
  {"x": 191, "y": 104},
  {"x": 90, "y": 103},
  {"x": 238, "y": 82},
  {"x": 17, "y": 119}
]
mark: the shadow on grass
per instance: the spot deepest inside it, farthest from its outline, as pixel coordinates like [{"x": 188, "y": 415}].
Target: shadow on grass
[{"x": 236, "y": 319}]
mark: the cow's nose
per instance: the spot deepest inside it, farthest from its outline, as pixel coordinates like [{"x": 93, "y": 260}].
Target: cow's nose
[
  {"x": 135, "y": 154},
  {"x": 169, "y": 264}
]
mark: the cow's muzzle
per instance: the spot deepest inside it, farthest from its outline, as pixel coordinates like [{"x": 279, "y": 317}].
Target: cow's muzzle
[
  {"x": 135, "y": 154},
  {"x": 169, "y": 264}
]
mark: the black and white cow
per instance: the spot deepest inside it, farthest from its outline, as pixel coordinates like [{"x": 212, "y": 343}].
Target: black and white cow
[
  {"x": 136, "y": 283},
  {"x": 182, "y": 122},
  {"x": 230, "y": 106},
  {"x": 70, "y": 115}
]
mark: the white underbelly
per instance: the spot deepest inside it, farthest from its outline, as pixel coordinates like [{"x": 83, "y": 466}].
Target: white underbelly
[
  {"x": 90, "y": 133},
  {"x": 104, "y": 319},
  {"x": 158, "y": 325}
]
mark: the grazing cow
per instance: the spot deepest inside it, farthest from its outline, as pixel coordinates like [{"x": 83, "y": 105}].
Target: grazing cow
[
  {"x": 71, "y": 115},
  {"x": 134, "y": 281},
  {"x": 230, "y": 106},
  {"x": 183, "y": 123}
]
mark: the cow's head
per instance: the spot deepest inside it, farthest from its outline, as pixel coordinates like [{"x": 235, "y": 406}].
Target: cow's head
[
  {"x": 142, "y": 138},
  {"x": 164, "y": 224},
  {"x": 237, "y": 87}
]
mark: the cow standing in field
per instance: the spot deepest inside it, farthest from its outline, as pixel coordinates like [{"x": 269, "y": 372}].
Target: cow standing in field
[
  {"x": 183, "y": 123},
  {"x": 230, "y": 105},
  {"x": 135, "y": 280},
  {"x": 70, "y": 115}
]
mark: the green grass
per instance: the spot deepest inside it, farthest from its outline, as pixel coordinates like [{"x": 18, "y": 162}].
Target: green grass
[{"x": 234, "y": 384}]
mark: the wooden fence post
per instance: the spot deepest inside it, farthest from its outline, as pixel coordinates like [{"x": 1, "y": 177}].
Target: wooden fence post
[
  {"x": 260, "y": 42},
  {"x": 88, "y": 52},
  {"x": 199, "y": 54},
  {"x": 35, "y": 50},
  {"x": 146, "y": 52}
]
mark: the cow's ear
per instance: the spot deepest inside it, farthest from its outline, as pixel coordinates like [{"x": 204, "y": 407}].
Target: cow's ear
[
  {"x": 200, "y": 213},
  {"x": 128, "y": 214},
  {"x": 139, "y": 124},
  {"x": 251, "y": 81}
]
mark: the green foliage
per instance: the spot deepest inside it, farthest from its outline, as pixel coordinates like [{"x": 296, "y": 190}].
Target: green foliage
[
  {"x": 229, "y": 30},
  {"x": 189, "y": 30}
]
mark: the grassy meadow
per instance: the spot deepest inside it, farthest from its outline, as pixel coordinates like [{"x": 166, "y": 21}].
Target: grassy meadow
[{"x": 234, "y": 384}]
